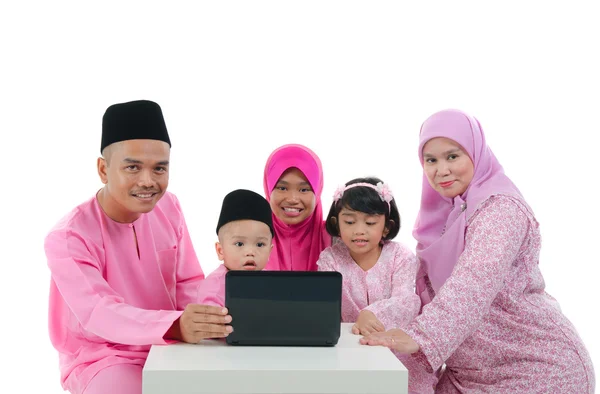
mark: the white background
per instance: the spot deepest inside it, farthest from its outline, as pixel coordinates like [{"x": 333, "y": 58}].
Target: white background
[{"x": 351, "y": 80}]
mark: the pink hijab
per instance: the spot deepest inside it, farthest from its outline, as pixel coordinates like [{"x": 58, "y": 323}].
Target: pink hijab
[
  {"x": 296, "y": 247},
  {"x": 439, "y": 253}
]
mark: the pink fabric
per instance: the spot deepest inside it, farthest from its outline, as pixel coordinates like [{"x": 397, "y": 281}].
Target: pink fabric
[
  {"x": 381, "y": 188},
  {"x": 116, "y": 379},
  {"x": 296, "y": 247},
  {"x": 107, "y": 304},
  {"x": 212, "y": 289},
  {"x": 492, "y": 323},
  {"x": 439, "y": 253},
  {"x": 387, "y": 290}
]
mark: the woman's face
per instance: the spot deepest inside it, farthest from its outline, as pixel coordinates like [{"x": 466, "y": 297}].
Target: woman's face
[
  {"x": 292, "y": 199},
  {"x": 448, "y": 167}
]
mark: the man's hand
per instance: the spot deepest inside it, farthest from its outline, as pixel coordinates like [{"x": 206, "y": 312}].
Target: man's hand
[
  {"x": 200, "y": 322},
  {"x": 367, "y": 323}
]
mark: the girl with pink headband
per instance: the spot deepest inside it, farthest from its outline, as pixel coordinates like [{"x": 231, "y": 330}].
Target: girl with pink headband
[
  {"x": 378, "y": 273},
  {"x": 487, "y": 324},
  {"x": 293, "y": 183}
]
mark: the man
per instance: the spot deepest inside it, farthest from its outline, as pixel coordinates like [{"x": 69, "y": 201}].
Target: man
[{"x": 124, "y": 271}]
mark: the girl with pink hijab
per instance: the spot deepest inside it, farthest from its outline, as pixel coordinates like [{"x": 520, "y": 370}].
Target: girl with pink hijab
[
  {"x": 486, "y": 324},
  {"x": 293, "y": 183}
]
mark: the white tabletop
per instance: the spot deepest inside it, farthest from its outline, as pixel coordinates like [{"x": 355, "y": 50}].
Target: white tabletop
[{"x": 215, "y": 367}]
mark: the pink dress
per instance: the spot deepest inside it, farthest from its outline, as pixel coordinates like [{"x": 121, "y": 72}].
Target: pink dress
[
  {"x": 492, "y": 324},
  {"x": 387, "y": 290},
  {"x": 109, "y": 304}
]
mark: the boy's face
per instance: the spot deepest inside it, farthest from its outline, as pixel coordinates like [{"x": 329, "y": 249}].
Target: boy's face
[{"x": 244, "y": 245}]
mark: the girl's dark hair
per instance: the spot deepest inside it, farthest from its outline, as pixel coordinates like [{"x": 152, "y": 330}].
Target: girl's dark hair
[{"x": 367, "y": 200}]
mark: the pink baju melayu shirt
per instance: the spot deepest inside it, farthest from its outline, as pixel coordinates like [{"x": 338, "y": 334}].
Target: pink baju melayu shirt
[
  {"x": 108, "y": 302},
  {"x": 212, "y": 290}
]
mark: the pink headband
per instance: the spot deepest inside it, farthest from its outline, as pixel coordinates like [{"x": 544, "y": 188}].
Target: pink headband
[{"x": 382, "y": 189}]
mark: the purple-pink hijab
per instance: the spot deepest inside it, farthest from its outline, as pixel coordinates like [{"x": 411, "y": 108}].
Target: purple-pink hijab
[
  {"x": 296, "y": 247},
  {"x": 439, "y": 249}
]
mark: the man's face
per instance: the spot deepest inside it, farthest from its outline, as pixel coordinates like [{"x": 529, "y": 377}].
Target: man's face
[{"x": 136, "y": 175}]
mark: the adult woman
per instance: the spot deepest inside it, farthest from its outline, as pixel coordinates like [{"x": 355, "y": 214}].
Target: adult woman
[{"x": 486, "y": 315}]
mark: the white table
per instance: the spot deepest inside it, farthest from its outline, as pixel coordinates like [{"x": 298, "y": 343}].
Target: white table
[{"x": 215, "y": 367}]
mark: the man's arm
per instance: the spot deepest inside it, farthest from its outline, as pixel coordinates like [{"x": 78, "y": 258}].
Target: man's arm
[{"x": 99, "y": 309}]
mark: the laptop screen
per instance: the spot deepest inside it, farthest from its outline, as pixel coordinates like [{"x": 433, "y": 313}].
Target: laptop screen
[{"x": 284, "y": 307}]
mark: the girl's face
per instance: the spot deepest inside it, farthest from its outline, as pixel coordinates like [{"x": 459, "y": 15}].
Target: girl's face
[
  {"x": 448, "y": 167},
  {"x": 292, "y": 199},
  {"x": 361, "y": 232}
]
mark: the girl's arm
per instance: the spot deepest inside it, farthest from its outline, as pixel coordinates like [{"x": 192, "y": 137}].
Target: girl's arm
[
  {"x": 326, "y": 261},
  {"x": 403, "y": 305}
]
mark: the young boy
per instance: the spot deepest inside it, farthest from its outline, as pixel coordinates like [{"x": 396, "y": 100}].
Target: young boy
[{"x": 245, "y": 233}]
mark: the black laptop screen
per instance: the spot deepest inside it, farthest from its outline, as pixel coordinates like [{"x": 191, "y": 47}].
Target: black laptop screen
[{"x": 284, "y": 307}]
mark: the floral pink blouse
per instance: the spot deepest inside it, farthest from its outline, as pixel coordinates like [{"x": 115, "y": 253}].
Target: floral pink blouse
[
  {"x": 492, "y": 324},
  {"x": 387, "y": 290}
]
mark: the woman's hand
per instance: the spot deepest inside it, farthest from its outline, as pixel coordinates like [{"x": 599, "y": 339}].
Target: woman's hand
[
  {"x": 395, "y": 339},
  {"x": 367, "y": 323}
]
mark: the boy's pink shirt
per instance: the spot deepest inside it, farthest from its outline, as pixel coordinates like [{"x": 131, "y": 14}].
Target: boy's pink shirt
[
  {"x": 107, "y": 304},
  {"x": 212, "y": 290}
]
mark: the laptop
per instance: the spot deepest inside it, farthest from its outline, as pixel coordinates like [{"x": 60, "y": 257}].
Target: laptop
[{"x": 284, "y": 308}]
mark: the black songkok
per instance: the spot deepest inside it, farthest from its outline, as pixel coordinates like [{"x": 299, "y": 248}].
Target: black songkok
[
  {"x": 134, "y": 120},
  {"x": 245, "y": 205}
]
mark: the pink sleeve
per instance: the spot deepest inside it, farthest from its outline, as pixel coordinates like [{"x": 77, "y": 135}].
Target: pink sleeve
[
  {"x": 189, "y": 272},
  {"x": 326, "y": 261},
  {"x": 492, "y": 242},
  {"x": 403, "y": 305},
  {"x": 212, "y": 290},
  {"x": 98, "y": 308}
]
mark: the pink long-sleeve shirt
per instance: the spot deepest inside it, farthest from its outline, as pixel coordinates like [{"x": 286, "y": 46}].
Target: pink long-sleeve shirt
[
  {"x": 387, "y": 289},
  {"x": 212, "y": 290},
  {"x": 108, "y": 304},
  {"x": 492, "y": 323}
]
